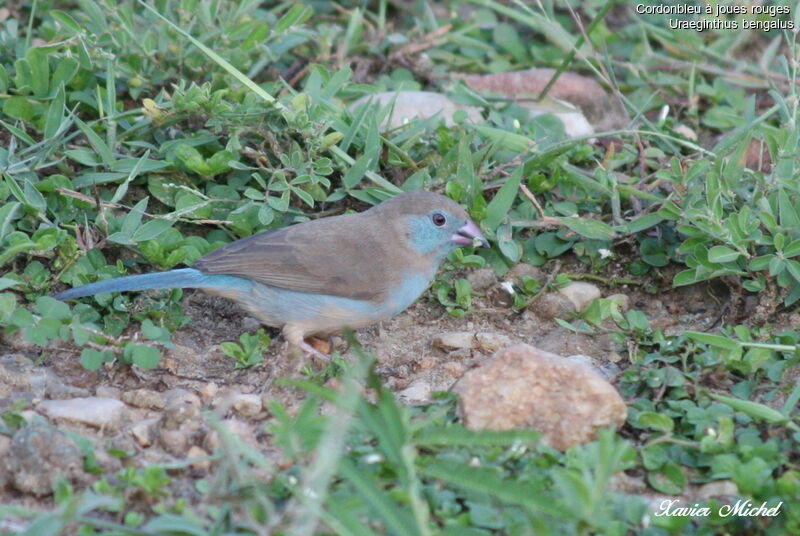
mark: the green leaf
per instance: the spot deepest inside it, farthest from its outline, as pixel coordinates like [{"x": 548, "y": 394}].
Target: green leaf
[
  {"x": 656, "y": 421},
  {"x": 67, "y": 21},
  {"x": 397, "y": 518},
  {"x": 52, "y": 308},
  {"x": 66, "y": 69},
  {"x": 722, "y": 254},
  {"x": 132, "y": 221},
  {"x": 18, "y": 107},
  {"x": 488, "y": 483},
  {"x": 40, "y": 72},
  {"x": 753, "y": 409},
  {"x": 96, "y": 142},
  {"x": 669, "y": 479},
  {"x": 151, "y": 230},
  {"x": 141, "y": 355},
  {"x": 8, "y": 213},
  {"x": 792, "y": 249},
  {"x": 717, "y": 341},
  {"x": 641, "y": 223},
  {"x": 92, "y": 359},
  {"x": 55, "y": 114},
  {"x": 505, "y": 139},
  {"x": 356, "y": 171},
  {"x": 500, "y": 205},
  {"x": 593, "y": 229}
]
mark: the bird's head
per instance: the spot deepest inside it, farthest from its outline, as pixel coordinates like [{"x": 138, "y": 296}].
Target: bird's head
[{"x": 434, "y": 224}]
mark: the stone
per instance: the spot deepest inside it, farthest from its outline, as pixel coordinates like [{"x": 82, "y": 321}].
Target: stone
[
  {"x": 181, "y": 406},
  {"x": 523, "y": 269},
  {"x": 176, "y": 442},
  {"x": 246, "y": 405},
  {"x": 482, "y": 279},
  {"x": 552, "y": 305},
  {"x": 717, "y": 488},
  {"x": 417, "y": 392},
  {"x": 474, "y": 340},
  {"x": 409, "y": 105},
  {"x": 39, "y": 455},
  {"x": 202, "y": 463},
  {"x": 91, "y": 410},
  {"x": 524, "y": 387},
  {"x": 581, "y": 294},
  {"x": 144, "y": 398},
  {"x": 144, "y": 431}
]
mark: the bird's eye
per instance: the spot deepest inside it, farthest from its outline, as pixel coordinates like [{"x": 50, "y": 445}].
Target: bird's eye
[{"x": 438, "y": 219}]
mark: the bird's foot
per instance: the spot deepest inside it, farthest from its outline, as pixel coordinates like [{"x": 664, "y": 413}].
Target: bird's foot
[{"x": 310, "y": 351}]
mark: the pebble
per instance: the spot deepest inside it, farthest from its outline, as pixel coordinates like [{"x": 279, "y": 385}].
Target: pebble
[
  {"x": 409, "y": 105},
  {"x": 247, "y": 405},
  {"x": 202, "y": 464},
  {"x": 552, "y": 305},
  {"x": 39, "y": 455},
  {"x": 418, "y": 392},
  {"x": 144, "y": 431},
  {"x": 469, "y": 339},
  {"x": 482, "y": 278},
  {"x": 144, "y": 398},
  {"x": 176, "y": 442},
  {"x": 580, "y": 293},
  {"x": 92, "y": 410},
  {"x": 181, "y": 406},
  {"x": 524, "y": 387}
]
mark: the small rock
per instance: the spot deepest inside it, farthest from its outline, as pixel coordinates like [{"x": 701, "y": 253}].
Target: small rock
[
  {"x": 717, "y": 488},
  {"x": 524, "y": 387},
  {"x": 55, "y": 388},
  {"x": 482, "y": 279},
  {"x": 92, "y": 410},
  {"x": 209, "y": 391},
  {"x": 552, "y": 305},
  {"x": 247, "y": 405},
  {"x": 180, "y": 407},
  {"x": 144, "y": 432},
  {"x": 234, "y": 426},
  {"x": 524, "y": 269},
  {"x": 202, "y": 464},
  {"x": 176, "y": 442},
  {"x": 581, "y": 294},
  {"x": 418, "y": 392},
  {"x": 144, "y": 398},
  {"x": 39, "y": 455},
  {"x": 106, "y": 391},
  {"x": 409, "y": 105},
  {"x": 468, "y": 339}
]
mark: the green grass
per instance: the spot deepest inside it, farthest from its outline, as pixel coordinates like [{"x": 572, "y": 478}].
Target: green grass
[{"x": 137, "y": 137}]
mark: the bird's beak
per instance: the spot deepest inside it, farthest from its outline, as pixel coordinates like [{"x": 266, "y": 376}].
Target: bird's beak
[{"x": 469, "y": 235}]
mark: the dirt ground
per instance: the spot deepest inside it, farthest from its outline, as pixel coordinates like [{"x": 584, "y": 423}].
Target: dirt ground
[{"x": 408, "y": 361}]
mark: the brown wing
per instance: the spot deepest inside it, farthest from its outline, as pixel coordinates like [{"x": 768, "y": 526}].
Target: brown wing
[{"x": 339, "y": 256}]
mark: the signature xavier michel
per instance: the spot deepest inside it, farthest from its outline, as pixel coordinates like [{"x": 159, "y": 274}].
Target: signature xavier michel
[{"x": 672, "y": 507}]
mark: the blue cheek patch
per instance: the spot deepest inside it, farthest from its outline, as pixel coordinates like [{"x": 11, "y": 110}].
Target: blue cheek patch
[{"x": 426, "y": 238}]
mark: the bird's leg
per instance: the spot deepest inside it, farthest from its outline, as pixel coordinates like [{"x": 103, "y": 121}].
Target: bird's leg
[{"x": 294, "y": 337}]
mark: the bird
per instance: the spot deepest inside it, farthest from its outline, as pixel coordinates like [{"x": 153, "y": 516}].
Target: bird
[{"x": 320, "y": 276}]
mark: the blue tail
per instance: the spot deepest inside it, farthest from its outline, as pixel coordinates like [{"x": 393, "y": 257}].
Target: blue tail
[{"x": 183, "y": 278}]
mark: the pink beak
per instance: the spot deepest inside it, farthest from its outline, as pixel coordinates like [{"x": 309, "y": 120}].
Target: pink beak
[{"x": 467, "y": 234}]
